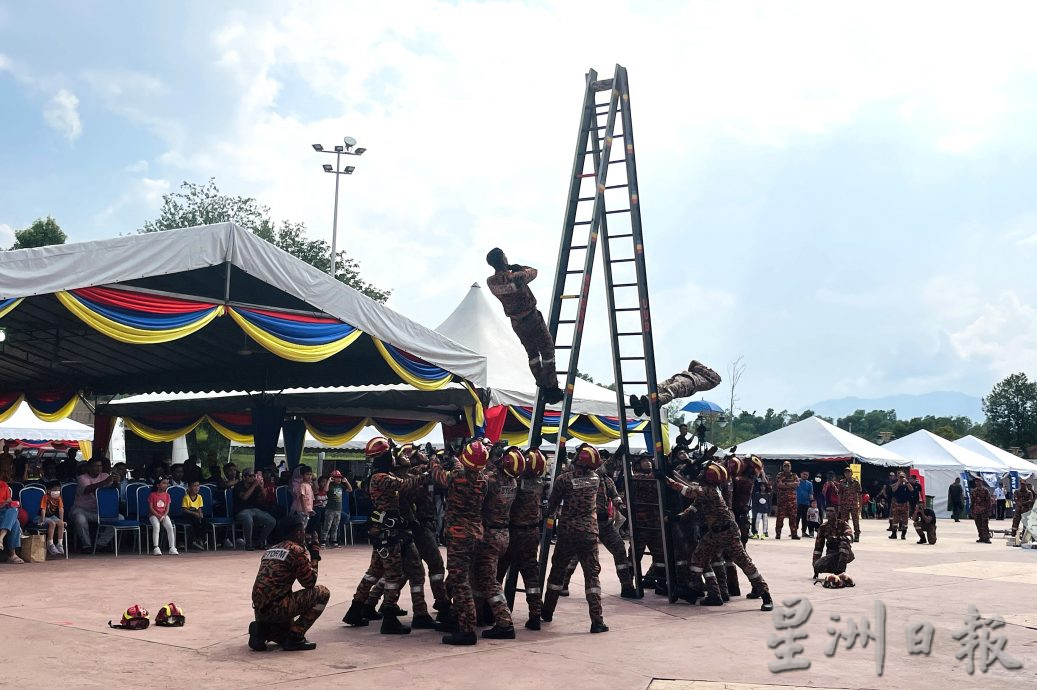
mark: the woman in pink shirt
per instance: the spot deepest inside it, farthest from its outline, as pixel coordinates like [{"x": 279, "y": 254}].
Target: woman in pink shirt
[
  {"x": 158, "y": 507},
  {"x": 302, "y": 494}
]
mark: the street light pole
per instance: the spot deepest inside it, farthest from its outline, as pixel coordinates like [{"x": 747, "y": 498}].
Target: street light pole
[{"x": 337, "y": 170}]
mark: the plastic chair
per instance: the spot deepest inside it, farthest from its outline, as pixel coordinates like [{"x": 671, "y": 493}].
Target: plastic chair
[
  {"x": 108, "y": 518},
  {"x": 283, "y": 499},
  {"x": 361, "y": 510},
  {"x": 68, "y": 496},
  {"x": 16, "y": 488},
  {"x": 31, "y": 498},
  {"x": 209, "y": 511},
  {"x": 228, "y": 506},
  {"x": 143, "y": 511},
  {"x": 131, "y": 498},
  {"x": 176, "y": 507}
]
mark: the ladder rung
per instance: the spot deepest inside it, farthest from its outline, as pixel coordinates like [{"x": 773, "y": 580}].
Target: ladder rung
[
  {"x": 628, "y": 309},
  {"x": 566, "y": 321},
  {"x": 569, "y": 273},
  {"x": 620, "y": 210},
  {"x": 621, "y": 160},
  {"x": 625, "y": 234},
  {"x": 616, "y": 285},
  {"x": 563, "y": 347},
  {"x": 632, "y": 358},
  {"x": 621, "y": 261},
  {"x": 617, "y": 186},
  {"x": 583, "y": 222},
  {"x": 636, "y": 383},
  {"x": 590, "y": 174},
  {"x": 586, "y": 198},
  {"x": 630, "y": 333},
  {"x": 570, "y": 297},
  {"x": 578, "y": 246}
]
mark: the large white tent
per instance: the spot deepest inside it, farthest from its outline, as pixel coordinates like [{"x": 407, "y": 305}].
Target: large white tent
[
  {"x": 941, "y": 462},
  {"x": 1025, "y": 468},
  {"x": 24, "y": 425},
  {"x": 815, "y": 439},
  {"x": 481, "y": 326}
]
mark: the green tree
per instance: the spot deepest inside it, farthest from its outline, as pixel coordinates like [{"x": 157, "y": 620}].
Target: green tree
[
  {"x": 204, "y": 204},
  {"x": 43, "y": 232},
  {"x": 1011, "y": 410}
]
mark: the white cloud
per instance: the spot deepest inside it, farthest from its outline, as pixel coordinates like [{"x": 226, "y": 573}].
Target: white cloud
[
  {"x": 62, "y": 114},
  {"x": 6, "y": 236},
  {"x": 1003, "y": 335}
]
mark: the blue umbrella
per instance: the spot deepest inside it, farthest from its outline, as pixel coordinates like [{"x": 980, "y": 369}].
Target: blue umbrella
[{"x": 705, "y": 406}]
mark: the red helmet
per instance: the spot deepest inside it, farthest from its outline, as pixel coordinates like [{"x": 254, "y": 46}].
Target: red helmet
[
  {"x": 833, "y": 582},
  {"x": 474, "y": 456},
  {"x": 755, "y": 463},
  {"x": 170, "y": 615},
  {"x": 536, "y": 463},
  {"x": 379, "y": 445},
  {"x": 846, "y": 580},
  {"x": 135, "y": 618},
  {"x": 589, "y": 457},
  {"x": 335, "y": 474},
  {"x": 513, "y": 462},
  {"x": 735, "y": 466},
  {"x": 715, "y": 474}
]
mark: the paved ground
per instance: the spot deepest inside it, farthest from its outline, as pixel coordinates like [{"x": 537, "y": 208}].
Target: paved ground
[{"x": 54, "y": 616}]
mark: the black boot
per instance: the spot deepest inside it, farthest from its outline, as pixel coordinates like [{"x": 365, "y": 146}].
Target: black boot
[
  {"x": 423, "y": 622},
  {"x": 903, "y": 534},
  {"x": 599, "y": 627},
  {"x": 628, "y": 592},
  {"x": 355, "y": 615},
  {"x": 690, "y": 594},
  {"x": 500, "y": 633},
  {"x": 857, "y": 537},
  {"x": 794, "y": 535},
  {"x": 713, "y": 599},
  {"x": 533, "y": 623},
  {"x": 732, "y": 581},
  {"x": 547, "y": 611},
  {"x": 297, "y": 643},
  {"x": 460, "y": 638},
  {"x": 892, "y": 532},
  {"x": 768, "y": 603},
  {"x": 554, "y": 395},
  {"x": 636, "y": 406},
  {"x": 921, "y": 540},
  {"x": 371, "y": 613},
  {"x": 257, "y": 636},
  {"x": 391, "y": 625}
]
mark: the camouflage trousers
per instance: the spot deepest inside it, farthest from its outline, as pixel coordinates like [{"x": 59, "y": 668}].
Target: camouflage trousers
[
  {"x": 851, "y": 510},
  {"x": 687, "y": 383},
  {"x": 413, "y": 572},
  {"x": 899, "y": 515},
  {"x": 834, "y": 562},
  {"x": 982, "y": 524},
  {"x": 646, "y": 533},
  {"x": 295, "y": 613},
  {"x": 388, "y": 568},
  {"x": 523, "y": 546},
  {"x": 536, "y": 339},
  {"x": 743, "y": 526},
  {"x": 786, "y": 508},
  {"x": 712, "y": 550},
  {"x": 684, "y": 540},
  {"x": 1019, "y": 511},
  {"x": 609, "y": 537},
  {"x": 926, "y": 531},
  {"x": 584, "y": 547},
  {"x": 485, "y": 586},
  {"x": 428, "y": 549},
  {"x": 460, "y": 552}
]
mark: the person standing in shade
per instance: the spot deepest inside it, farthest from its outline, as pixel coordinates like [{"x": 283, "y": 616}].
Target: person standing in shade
[
  {"x": 804, "y": 495},
  {"x": 956, "y": 499},
  {"x": 982, "y": 502},
  {"x": 900, "y": 511},
  {"x": 1000, "y": 498},
  {"x": 916, "y": 492},
  {"x": 787, "y": 485}
]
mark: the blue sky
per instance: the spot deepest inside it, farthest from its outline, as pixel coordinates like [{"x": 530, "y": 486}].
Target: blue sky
[{"x": 843, "y": 196}]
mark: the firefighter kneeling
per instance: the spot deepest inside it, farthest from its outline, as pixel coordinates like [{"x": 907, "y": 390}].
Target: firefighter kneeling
[{"x": 284, "y": 616}]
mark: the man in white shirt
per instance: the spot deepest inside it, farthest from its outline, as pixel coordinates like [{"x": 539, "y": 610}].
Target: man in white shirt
[{"x": 999, "y": 501}]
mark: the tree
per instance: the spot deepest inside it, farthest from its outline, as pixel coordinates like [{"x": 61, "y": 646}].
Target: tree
[
  {"x": 197, "y": 204},
  {"x": 1011, "y": 410},
  {"x": 734, "y": 375},
  {"x": 43, "y": 232}
]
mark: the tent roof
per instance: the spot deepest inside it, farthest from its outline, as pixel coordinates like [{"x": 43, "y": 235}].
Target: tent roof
[
  {"x": 398, "y": 401},
  {"x": 1012, "y": 462},
  {"x": 925, "y": 449},
  {"x": 481, "y": 326},
  {"x": 24, "y": 425},
  {"x": 47, "y": 346},
  {"x": 815, "y": 439}
]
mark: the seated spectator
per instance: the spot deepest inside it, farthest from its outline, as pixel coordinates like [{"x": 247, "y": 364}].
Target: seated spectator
[
  {"x": 191, "y": 471},
  {"x": 52, "y": 514},
  {"x": 178, "y": 477},
  {"x": 231, "y": 477},
  {"x": 249, "y": 513},
  {"x": 85, "y": 509},
  {"x": 10, "y": 530},
  {"x": 193, "y": 514},
  {"x": 158, "y": 516},
  {"x": 67, "y": 468},
  {"x": 213, "y": 466}
]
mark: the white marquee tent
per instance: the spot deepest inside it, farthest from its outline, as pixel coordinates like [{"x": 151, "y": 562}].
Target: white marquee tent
[
  {"x": 25, "y": 425},
  {"x": 815, "y": 439},
  {"x": 1025, "y": 468},
  {"x": 941, "y": 462}
]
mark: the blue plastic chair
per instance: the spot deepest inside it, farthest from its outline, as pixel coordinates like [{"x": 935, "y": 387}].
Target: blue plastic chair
[
  {"x": 131, "y": 499},
  {"x": 209, "y": 511},
  {"x": 108, "y": 518},
  {"x": 283, "y": 499},
  {"x": 68, "y": 496},
  {"x": 31, "y": 497},
  {"x": 176, "y": 507},
  {"x": 143, "y": 511},
  {"x": 361, "y": 504}
]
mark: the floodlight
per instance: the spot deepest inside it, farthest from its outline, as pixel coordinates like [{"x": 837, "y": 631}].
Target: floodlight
[
  {"x": 318, "y": 147},
  {"x": 350, "y": 142},
  {"x": 360, "y": 151},
  {"x": 3, "y": 335},
  {"x": 327, "y": 167},
  {"x": 338, "y": 149},
  {"x": 350, "y": 169}
]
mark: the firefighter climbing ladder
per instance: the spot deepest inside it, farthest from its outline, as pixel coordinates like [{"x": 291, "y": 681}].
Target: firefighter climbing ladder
[{"x": 626, "y": 286}]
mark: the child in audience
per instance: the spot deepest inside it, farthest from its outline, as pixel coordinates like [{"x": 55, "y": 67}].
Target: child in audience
[
  {"x": 302, "y": 495},
  {"x": 193, "y": 514},
  {"x": 813, "y": 519},
  {"x": 333, "y": 509},
  {"x": 52, "y": 514},
  {"x": 320, "y": 504},
  {"x": 158, "y": 509}
]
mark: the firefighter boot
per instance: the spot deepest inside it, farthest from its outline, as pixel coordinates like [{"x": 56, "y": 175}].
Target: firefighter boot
[{"x": 355, "y": 615}]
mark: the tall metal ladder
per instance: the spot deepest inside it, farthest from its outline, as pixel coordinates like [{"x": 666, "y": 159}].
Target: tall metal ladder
[{"x": 626, "y": 291}]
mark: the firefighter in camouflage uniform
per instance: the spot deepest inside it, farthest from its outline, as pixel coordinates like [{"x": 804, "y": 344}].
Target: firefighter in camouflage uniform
[
  {"x": 496, "y": 513},
  {"x": 524, "y": 533}
]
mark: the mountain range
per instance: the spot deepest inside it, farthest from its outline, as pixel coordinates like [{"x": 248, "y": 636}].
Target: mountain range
[{"x": 938, "y": 404}]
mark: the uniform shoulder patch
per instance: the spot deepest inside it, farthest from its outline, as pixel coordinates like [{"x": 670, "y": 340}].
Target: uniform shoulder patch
[
  {"x": 276, "y": 554},
  {"x": 588, "y": 482}
]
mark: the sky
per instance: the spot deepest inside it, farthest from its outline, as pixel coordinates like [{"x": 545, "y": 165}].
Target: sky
[{"x": 842, "y": 195}]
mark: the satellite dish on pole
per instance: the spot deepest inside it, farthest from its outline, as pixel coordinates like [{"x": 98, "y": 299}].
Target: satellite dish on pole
[{"x": 350, "y": 142}]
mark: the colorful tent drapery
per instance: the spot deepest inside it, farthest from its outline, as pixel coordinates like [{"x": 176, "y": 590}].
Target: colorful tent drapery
[
  {"x": 417, "y": 372},
  {"x": 235, "y": 426},
  {"x": 333, "y": 430},
  {"x": 163, "y": 428},
  {"x": 595, "y": 429},
  {"x": 9, "y": 403},
  {"x": 138, "y": 318},
  {"x": 52, "y": 405},
  {"x": 297, "y": 337},
  {"x": 402, "y": 430},
  {"x": 7, "y": 305}
]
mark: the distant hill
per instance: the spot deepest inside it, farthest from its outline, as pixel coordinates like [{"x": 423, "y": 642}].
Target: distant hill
[{"x": 939, "y": 404}]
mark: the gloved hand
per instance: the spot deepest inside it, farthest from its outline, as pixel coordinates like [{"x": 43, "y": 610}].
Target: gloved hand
[
  {"x": 516, "y": 267},
  {"x": 314, "y": 549},
  {"x": 659, "y": 473}
]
